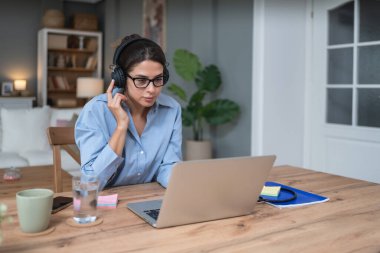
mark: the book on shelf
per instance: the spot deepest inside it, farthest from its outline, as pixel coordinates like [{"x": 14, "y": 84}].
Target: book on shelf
[
  {"x": 91, "y": 62},
  {"x": 94, "y": 63},
  {"x": 58, "y": 83},
  {"x": 66, "y": 83},
  {"x": 51, "y": 85},
  {"x": 303, "y": 198},
  {"x": 74, "y": 60}
]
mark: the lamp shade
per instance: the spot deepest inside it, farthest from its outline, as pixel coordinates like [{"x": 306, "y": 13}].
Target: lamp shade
[
  {"x": 20, "y": 84},
  {"x": 89, "y": 87}
]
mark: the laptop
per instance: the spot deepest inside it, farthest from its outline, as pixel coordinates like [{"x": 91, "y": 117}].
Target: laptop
[{"x": 205, "y": 190}]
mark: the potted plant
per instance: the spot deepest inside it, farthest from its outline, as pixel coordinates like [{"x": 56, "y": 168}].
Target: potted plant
[{"x": 195, "y": 112}]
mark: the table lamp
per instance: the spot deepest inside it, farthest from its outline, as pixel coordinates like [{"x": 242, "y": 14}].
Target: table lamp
[
  {"x": 20, "y": 86},
  {"x": 88, "y": 87}
]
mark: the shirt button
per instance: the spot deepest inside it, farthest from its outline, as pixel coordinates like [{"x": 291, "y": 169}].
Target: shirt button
[
  {"x": 141, "y": 152},
  {"x": 139, "y": 174}
]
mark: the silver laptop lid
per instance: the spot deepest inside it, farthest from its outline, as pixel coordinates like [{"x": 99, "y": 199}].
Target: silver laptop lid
[{"x": 213, "y": 189}]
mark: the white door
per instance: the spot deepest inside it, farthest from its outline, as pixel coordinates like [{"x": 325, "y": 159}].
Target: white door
[{"x": 345, "y": 91}]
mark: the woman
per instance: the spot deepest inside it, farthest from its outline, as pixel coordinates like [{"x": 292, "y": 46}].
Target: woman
[{"x": 132, "y": 134}]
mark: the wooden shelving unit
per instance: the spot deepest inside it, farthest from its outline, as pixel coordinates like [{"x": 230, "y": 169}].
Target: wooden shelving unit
[{"x": 63, "y": 56}]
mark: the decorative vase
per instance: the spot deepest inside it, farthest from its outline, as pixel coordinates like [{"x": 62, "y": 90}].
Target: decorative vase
[
  {"x": 197, "y": 150},
  {"x": 53, "y": 19}
]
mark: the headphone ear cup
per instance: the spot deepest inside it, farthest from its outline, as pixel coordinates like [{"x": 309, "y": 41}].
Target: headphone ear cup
[
  {"x": 118, "y": 75},
  {"x": 166, "y": 75}
]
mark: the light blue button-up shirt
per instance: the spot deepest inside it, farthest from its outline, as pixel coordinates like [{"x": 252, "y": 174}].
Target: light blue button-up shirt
[{"x": 146, "y": 158}]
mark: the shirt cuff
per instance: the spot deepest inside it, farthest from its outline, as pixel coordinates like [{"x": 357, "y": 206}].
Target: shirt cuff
[{"x": 164, "y": 175}]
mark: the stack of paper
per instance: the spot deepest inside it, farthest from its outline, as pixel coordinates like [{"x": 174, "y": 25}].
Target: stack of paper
[{"x": 303, "y": 197}]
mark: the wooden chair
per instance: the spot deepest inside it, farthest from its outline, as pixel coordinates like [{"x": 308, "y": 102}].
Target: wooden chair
[{"x": 61, "y": 138}]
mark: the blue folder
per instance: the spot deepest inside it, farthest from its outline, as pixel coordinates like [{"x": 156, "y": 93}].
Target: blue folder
[{"x": 303, "y": 197}]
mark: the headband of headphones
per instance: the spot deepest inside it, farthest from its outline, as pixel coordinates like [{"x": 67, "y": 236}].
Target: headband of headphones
[
  {"x": 117, "y": 73},
  {"x": 128, "y": 40}
]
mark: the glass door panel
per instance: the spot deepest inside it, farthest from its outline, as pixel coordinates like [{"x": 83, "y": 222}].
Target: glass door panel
[
  {"x": 369, "y": 64},
  {"x": 369, "y": 20},
  {"x": 341, "y": 24},
  {"x": 369, "y": 107},
  {"x": 340, "y": 66},
  {"x": 339, "y": 104}
]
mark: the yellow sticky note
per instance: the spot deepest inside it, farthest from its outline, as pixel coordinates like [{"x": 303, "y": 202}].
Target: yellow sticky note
[{"x": 272, "y": 191}]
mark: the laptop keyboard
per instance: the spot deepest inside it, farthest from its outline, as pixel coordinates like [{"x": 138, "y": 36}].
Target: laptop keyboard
[{"x": 153, "y": 213}]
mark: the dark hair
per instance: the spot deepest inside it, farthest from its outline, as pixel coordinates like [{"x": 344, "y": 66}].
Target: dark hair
[{"x": 140, "y": 49}]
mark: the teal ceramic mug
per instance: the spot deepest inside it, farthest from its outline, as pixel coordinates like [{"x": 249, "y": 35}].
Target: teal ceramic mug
[{"x": 34, "y": 209}]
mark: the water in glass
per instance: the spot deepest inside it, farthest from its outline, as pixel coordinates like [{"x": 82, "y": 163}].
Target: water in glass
[{"x": 85, "y": 193}]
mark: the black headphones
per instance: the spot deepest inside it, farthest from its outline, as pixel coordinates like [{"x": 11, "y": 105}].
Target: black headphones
[{"x": 117, "y": 72}]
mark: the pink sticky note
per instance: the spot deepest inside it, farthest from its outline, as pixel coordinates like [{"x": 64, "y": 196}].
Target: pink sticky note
[
  {"x": 108, "y": 201},
  {"x": 76, "y": 204}
]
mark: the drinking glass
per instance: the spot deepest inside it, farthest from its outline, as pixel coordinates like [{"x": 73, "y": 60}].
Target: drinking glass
[{"x": 85, "y": 195}]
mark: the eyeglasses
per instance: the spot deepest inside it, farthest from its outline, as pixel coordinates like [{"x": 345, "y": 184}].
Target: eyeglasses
[{"x": 142, "y": 82}]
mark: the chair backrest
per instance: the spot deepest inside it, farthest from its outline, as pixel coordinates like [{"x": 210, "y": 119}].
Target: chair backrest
[{"x": 61, "y": 137}]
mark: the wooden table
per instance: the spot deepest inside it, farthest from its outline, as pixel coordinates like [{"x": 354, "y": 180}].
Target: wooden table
[
  {"x": 32, "y": 177},
  {"x": 349, "y": 222}
]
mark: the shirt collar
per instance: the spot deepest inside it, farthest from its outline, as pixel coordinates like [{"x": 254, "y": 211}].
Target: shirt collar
[{"x": 162, "y": 100}]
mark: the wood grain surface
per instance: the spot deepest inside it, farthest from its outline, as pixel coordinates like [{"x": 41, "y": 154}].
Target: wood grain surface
[
  {"x": 32, "y": 177},
  {"x": 349, "y": 222}
]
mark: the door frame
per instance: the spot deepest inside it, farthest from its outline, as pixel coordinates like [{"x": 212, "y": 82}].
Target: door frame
[
  {"x": 260, "y": 68},
  {"x": 308, "y": 85}
]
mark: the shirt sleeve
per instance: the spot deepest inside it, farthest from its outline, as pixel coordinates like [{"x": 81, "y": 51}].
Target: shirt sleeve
[
  {"x": 173, "y": 152},
  {"x": 92, "y": 138}
]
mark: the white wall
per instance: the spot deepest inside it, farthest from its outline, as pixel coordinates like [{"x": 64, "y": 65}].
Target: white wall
[{"x": 279, "y": 66}]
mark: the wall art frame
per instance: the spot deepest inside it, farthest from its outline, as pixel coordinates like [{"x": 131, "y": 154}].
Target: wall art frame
[
  {"x": 6, "y": 88},
  {"x": 154, "y": 21}
]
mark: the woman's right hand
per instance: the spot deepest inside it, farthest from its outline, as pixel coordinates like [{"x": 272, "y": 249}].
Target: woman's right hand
[{"x": 114, "y": 104}]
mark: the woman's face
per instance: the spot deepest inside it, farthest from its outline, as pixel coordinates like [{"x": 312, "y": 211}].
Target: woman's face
[{"x": 144, "y": 97}]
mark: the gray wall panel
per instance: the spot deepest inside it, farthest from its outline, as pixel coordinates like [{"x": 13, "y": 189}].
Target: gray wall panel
[
  {"x": 19, "y": 23},
  {"x": 234, "y": 57}
]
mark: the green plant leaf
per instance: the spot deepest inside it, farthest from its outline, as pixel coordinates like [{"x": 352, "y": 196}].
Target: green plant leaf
[
  {"x": 186, "y": 64},
  {"x": 209, "y": 78},
  {"x": 187, "y": 117},
  {"x": 195, "y": 113},
  {"x": 195, "y": 103},
  {"x": 178, "y": 91},
  {"x": 220, "y": 111}
]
